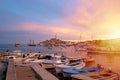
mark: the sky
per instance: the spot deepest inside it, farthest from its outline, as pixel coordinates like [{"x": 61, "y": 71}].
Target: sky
[{"x": 39, "y": 20}]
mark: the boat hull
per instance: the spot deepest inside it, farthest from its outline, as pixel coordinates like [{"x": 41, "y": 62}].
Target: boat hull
[
  {"x": 59, "y": 68},
  {"x": 68, "y": 73},
  {"x": 96, "y": 76},
  {"x": 51, "y": 63}
]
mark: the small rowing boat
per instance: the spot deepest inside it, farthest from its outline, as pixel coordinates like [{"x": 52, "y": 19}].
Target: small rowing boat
[
  {"x": 68, "y": 73},
  {"x": 96, "y": 76},
  {"x": 88, "y": 59},
  {"x": 75, "y": 65}
]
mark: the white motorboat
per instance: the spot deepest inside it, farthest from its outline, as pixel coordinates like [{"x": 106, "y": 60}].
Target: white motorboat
[
  {"x": 33, "y": 60},
  {"x": 55, "y": 60},
  {"x": 10, "y": 57},
  {"x": 75, "y": 65}
]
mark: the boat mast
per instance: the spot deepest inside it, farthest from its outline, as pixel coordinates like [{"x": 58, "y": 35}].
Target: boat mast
[
  {"x": 33, "y": 41},
  {"x": 55, "y": 36},
  {"x": 30, "y": 41}
]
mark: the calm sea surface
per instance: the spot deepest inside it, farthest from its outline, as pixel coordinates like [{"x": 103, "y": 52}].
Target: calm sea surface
[
  {"x": 24, "y": 48},
  {"x": 112, "y": 60},
  {"x": 106, "y": 60}
]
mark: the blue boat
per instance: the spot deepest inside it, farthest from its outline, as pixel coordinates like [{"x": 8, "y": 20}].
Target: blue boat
[{"x": 69, "y": 72}]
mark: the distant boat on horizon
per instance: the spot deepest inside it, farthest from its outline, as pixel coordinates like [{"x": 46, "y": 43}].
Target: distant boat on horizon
[
  {"x": 17, "y": 44},
  {"x": 31, "y": 43}
]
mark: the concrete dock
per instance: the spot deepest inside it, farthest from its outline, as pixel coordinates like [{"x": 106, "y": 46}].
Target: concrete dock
[
  {"x": 19, "y": 71},
  {"x": 11, "y": 75}
]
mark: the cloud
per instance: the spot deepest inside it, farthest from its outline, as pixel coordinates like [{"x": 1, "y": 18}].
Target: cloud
[
  {"x": 96, "y": 16},
  {"x": 69, "y": 20},
  {"x": 45, "y": 28},
  {"x": 61, "y": 31}
]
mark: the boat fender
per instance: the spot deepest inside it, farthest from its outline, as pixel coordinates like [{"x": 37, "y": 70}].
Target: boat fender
[{"x": 109, "y": 69}]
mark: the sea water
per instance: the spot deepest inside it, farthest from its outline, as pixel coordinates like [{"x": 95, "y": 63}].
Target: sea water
[
  {"x": 106, "y": 60},
  {"x": 24, "y": 48},
  {"x": 68, "y": 50}
]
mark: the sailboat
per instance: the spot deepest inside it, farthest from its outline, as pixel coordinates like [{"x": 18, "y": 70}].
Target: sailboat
[{"x": 31, "y": 43}]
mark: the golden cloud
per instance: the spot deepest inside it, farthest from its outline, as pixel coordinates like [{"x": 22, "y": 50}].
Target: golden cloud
[
  {"x": 49, "y": 29},
  {"x": 100, "y": 17}
]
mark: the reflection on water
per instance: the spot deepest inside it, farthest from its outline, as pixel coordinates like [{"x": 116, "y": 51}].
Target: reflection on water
[{"x": 106, "y": 60}]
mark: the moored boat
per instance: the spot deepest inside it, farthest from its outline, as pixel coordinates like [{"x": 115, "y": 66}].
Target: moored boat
[
  {"x": 49, "y": 62},
  {"x": 31, "y": 43},
  {"x": 17, "y": 44},
  {"x": 32, "y": 60},
  {"x": 73, "y": 59},
  {"x": 10, "y": 57},
  {"x": 88, "y": 59},
  {"x": 96, "y": 76},
  {"x": 69, "y": 72},
  {"x": 75, "y": 65}
]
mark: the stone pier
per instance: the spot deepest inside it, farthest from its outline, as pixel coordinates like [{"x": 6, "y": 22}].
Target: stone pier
[{"x": 11, "y": 75}]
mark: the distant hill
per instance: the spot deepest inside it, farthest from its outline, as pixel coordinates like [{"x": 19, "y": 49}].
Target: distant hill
[{"x": 52, "y": 41}]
